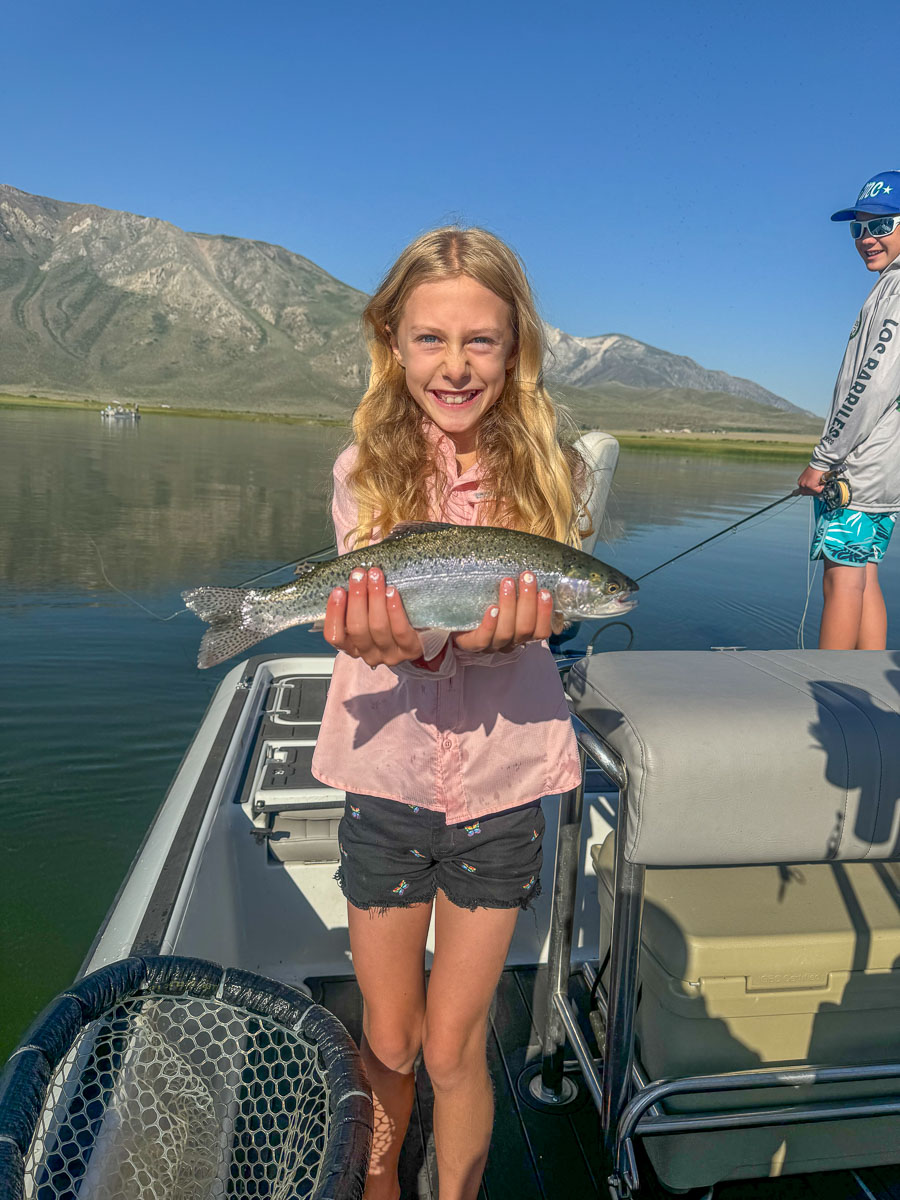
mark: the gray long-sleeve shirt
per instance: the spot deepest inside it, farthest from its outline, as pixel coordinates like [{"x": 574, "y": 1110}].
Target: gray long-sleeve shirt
[{"x": 862, "y": 431}]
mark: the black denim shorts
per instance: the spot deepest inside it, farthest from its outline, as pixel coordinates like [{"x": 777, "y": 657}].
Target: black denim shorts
[{"x": 394, "y": 855}]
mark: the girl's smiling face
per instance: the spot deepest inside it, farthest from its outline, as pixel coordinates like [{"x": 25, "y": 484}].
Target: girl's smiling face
[{"x": 455, "y": 341}]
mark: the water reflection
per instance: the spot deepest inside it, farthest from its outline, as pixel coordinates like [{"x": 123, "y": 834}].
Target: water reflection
[{"x": 169, "y": 501}]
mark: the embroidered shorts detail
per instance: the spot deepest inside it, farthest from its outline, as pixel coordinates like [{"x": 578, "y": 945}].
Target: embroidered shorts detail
[
  {"x": 394, "y": 855},
  {"x": 850, "y": 537}
]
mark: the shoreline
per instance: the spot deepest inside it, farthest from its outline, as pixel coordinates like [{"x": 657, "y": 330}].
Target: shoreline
[{"x": 734, "y": 443}]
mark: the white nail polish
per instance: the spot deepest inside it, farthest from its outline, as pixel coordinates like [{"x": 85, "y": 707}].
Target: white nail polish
[
  {"x": 389, "y": 591},
  {"x": 357, "y": 576},
  {"x": 528, "y": 577},
  {"x": 495, "y": 612}
]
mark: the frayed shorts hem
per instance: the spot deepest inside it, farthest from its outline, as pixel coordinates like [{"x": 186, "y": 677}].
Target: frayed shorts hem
[{"x": 379, "y": 908}]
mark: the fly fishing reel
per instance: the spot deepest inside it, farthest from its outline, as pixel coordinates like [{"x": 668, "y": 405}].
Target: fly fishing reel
[{"x": 836, "y": 492}]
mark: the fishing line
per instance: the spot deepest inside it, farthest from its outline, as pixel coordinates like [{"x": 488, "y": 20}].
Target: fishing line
[
  {"x": 283, "y": 567},
  {"x": 149, "y": 612},
  {"x": 812, "y": 569},
  {"x": 759, "y": 512}
]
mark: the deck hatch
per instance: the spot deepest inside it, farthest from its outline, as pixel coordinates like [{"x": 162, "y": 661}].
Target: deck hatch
[{"x": 297, "y": 700}]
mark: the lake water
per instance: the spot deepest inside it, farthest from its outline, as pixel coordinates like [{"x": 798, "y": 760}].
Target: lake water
[{"x": 99, "y": 699}]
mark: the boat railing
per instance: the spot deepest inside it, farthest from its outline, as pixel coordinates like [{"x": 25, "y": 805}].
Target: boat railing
[{"x": 715, "y": 766}]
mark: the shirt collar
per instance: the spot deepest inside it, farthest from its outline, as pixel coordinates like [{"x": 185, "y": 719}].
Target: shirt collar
[{"x": 444, "y": 446}]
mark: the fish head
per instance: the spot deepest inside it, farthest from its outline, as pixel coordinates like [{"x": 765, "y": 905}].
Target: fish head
[{"x": 597, "y": 591}]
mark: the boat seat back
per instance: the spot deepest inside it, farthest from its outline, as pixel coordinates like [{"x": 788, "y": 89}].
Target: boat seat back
[
  {"x": 600, "y": 452},
  {"x": 753, "y": 756}
]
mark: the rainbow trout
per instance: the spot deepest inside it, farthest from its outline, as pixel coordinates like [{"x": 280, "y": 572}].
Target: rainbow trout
[{"x": 447, "y": 576}]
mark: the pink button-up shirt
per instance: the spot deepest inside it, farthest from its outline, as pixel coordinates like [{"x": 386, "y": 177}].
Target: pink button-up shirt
[{"x": 485, "y": 732}]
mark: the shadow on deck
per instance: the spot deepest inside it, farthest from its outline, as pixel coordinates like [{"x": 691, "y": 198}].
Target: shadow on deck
[{"x": 536, "y": 1155}]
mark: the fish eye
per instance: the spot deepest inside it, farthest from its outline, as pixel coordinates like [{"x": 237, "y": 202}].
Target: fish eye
[{"x": 612, "y": 587}]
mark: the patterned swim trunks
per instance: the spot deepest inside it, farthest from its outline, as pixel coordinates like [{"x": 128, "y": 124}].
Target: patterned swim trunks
[
  {"x": 850, "y": 537},
  {"x": 394, "y": 855}
]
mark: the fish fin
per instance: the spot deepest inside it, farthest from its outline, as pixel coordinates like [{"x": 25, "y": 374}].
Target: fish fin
[
  {"x": 405, "y": 528},
  {"x": 227, "y": 634},
  {"x": 224, "y": 641},
  {"x": 558, "y": 622},
  {"x": 317, "y": 626},
  {"x": 433, "y": 641},
  {"x": 215, "y": 603}
]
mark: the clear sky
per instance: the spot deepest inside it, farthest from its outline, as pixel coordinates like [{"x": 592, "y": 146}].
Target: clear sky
[{"x": 666, "y": 169}]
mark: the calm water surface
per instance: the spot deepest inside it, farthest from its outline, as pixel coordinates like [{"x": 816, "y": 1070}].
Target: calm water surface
[{"x": 99, "y": 700}]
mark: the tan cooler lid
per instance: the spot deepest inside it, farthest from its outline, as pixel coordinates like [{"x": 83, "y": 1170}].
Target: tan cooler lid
[{"x": 780, "y": 927}]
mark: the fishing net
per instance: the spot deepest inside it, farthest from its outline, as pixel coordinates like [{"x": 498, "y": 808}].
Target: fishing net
[{"x": 164, "y": 1097}]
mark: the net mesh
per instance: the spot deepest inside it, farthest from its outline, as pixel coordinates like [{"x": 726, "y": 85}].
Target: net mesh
[{"x": 182, "y": 1099}]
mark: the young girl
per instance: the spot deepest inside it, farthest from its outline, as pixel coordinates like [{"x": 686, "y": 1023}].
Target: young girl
[{"x": 444, "y": 746}]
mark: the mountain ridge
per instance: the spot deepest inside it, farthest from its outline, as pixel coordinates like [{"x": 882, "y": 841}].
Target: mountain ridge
[{"x": 99, "y": 302}]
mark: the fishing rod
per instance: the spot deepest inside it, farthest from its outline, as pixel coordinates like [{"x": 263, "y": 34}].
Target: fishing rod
[
  {"x": 329, "y": 549},
  {"x": 759, "y": 512},
  {"x": 835, "y": 494}
]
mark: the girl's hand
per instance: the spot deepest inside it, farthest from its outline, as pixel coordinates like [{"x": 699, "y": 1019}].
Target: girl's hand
[
  {"x": 514, "y": 619},
  {"x": 368, "y": 621}
]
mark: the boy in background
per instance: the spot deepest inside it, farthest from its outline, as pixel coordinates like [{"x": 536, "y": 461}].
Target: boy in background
[{"x": 861, "y": 440}]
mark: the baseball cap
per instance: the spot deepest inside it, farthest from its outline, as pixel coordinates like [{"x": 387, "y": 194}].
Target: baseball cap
[{"x": 880, "y": 195}]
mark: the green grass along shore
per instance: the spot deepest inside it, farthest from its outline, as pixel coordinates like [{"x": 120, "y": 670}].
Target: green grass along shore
[{"x": 734, "y": 444}]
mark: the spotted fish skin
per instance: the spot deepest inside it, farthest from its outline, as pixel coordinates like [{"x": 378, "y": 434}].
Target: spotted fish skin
[{"x": 447, "y": 577}]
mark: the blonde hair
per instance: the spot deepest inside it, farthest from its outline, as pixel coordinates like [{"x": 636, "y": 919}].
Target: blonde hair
[{"x": 534, "y": 474}]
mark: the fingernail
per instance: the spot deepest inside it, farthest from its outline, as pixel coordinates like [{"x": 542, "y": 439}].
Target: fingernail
[
  {"x": 337, "y": 593},
  {"x": 508, "y": 586},
  {"x": 545, "y": 596},
  {"x": 495, "y": 612},
  {"x": 528, "y": 577},
  {"x": 357, "y": 576},
  {"x": 390, "y": 592},
  {"x": 374, "y": 574}
]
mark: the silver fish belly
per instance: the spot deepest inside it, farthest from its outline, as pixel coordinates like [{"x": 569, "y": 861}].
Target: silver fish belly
[{"x": 447, "y": 577}]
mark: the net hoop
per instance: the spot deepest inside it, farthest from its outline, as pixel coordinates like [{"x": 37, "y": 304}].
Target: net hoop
[{"x": 136, "y": 1002}]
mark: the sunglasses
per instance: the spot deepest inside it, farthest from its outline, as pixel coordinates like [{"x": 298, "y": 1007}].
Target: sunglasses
[{"x": 874, "y": 227}]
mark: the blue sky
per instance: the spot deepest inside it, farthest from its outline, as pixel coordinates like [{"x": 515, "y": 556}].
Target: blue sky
[{"x": 666, "y": 171}]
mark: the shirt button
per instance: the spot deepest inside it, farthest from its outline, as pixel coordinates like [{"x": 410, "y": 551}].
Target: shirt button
[{"x": 448, "y": 745}]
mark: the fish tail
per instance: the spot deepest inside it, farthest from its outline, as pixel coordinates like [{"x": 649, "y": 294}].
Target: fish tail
[{"x": 230, "y": 631}]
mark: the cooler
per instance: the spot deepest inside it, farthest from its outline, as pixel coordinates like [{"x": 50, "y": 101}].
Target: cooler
[{"x": 753, "y": 967}]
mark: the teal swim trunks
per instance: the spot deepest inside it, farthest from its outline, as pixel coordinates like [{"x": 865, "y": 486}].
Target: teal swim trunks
[{"x": 849, "y": 537}]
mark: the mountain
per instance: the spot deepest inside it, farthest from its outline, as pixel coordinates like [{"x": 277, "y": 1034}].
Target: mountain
[
  {"x": 110, "y": 305},
  {"x": 587, "y": 362}
]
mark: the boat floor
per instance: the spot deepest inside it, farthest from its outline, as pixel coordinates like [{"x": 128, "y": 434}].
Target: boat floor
[{"x": 536, "y": 1155}]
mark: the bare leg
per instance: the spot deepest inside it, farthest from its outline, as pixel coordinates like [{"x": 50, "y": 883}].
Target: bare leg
[
  {"x": 873, "y": 622},
  {"x": 389, "y": 961},
  {"x": 843, "y": 588},
  {"x": 470, "y": 950}
]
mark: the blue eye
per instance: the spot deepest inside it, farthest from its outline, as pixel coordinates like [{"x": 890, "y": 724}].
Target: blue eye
[{"x": 427, "y": 338}]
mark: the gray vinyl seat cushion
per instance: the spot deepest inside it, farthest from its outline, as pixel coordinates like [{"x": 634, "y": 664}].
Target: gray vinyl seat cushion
[{"x": 753, "y": 756}]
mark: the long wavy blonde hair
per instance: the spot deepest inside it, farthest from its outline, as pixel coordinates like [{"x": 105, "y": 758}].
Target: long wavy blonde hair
[{"x": 529, "y": 464}]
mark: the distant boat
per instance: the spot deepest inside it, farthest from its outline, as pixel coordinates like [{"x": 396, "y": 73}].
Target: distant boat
[{"x": 116, "y": 412}]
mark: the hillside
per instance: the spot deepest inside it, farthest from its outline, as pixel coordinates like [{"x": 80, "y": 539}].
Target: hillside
[{"x": 108, "y": 305}]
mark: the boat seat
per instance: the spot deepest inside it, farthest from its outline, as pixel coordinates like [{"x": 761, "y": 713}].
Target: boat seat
[
  {"x": 742, "y": 757},
  {"x": 762, "y": 788}
]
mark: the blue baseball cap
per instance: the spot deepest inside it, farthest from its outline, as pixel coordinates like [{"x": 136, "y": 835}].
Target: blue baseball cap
[{"x": 879, "y": 195}]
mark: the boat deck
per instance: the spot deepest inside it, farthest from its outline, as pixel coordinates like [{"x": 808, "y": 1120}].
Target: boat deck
[{"x": 536, "y": 1155}]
